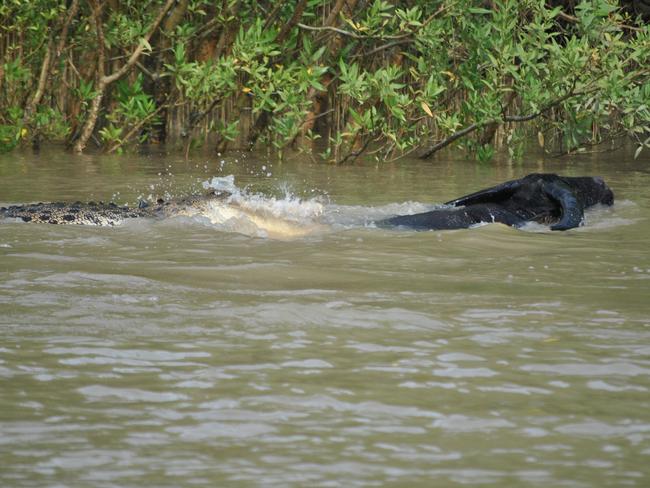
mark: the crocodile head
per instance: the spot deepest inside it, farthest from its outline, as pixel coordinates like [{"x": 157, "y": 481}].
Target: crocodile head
[{"x": 191, "y": 205}]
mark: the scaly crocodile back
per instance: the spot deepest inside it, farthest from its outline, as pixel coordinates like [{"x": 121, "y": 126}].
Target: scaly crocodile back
[{"x": 107, "y": 214}]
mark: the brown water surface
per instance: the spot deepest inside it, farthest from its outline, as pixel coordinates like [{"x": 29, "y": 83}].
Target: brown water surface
[{"x": 202, "y": 352}]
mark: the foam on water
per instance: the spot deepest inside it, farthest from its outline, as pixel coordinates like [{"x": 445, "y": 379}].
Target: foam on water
[
  {"x": 290, "y": 216},
  {"x": 260, "y": 215},
  {"x": 596, "y": 218}
]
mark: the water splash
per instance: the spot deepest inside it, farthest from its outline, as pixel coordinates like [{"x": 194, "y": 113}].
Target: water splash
[
  {"x": 260, "y": 215},
  {"x": 290, "y": 216},
  {"x": 223, "y": 183}
]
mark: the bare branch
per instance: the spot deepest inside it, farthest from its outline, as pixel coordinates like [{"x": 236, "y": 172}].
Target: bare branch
[
  {"x": 46, "y": 67},
  {"x": 297, "y": 14},
  {"x": 452, "y": 138},
  {"x": 103, "y": 79},
  {"x": 575, "y": 20},
  {"x": 91, "y": 119},
  {"x": 106, "y": 80},
  {"x": 508, "y": 118},
  {"x": 353, "y": 155},
  {"x": 333, "y": 29},
  {"x": 72, "y": 12},
  {"x": 135, "y": 129}
]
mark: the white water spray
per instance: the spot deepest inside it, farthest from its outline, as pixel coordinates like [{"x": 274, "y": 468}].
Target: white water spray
[{"x": 262, "y": 216}]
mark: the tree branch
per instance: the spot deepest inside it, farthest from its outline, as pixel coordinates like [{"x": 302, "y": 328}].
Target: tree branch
[
  {"x": 193, "y": 122},
  {"x": 399, "y": 37},
  {"x": 297, "y": 14},
  {"x": 334, "y": 13},
  {"x": 42, "y": 80},
  {"x": 507, "y": 118},
  {"x": 72, "y": 12},
  {"x": 103, "y": 79},
  {"x": 91, "y": 119},
  {"x": 333, "y": 29},
  {"x": 106, "y": 80},
  {"x": 134, "y": 129},
  {"x": 455, "y": 136},
  {"x": 575, "y": 20},
  {"x": 353, "y": 155},
  {"x": 46, "y": 67}
]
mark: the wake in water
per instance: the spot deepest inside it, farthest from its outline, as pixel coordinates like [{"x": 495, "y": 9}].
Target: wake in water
[
  {"x": 261, "y": 216},
  {"x": 289, "y": 217},
  {"x": 222, "y": 205},
  {"x": 229, "y": 208}
]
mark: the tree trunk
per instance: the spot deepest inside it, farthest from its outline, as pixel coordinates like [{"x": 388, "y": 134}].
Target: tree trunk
[
  {"x": 105, "y": 80},
  {"x": 46, "y": 67},
  {"x": 160, "y": 87},
  {"x": 30, "y": 109}
]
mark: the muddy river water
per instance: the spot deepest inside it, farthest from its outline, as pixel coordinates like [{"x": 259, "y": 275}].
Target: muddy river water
[{"x": 307, "y": 348}]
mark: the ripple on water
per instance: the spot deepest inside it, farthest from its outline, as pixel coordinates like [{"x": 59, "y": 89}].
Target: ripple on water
[
  {"x": 326, "y": 402},
  {"x": 299, "y": 315},
  {"x": 308, "y": 364},
  {"x": 462, "y": 423},
  {"x": 516, "y": 389},
  {"x": 98, "y": 393},
  {"x": 208, "y": 431},
  {"x": 635, "y": 432},
  {"x": 588, "y": 369},
  {"x": 152, "y": 355},
  {"x": 453, "y": 371},
  {"x": 605, "y": 386}
]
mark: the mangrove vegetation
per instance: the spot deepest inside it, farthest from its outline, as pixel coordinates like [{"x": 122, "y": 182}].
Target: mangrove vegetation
[{"x": 336, "y": 78}]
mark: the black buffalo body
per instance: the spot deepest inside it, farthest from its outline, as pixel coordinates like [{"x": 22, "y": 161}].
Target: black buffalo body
[{"x": 544, "y": 198}]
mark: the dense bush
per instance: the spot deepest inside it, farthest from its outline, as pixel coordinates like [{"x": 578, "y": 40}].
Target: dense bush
[{"x": 343, "y": 76}]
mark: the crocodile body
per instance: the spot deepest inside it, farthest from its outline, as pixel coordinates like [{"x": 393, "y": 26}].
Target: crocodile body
[{"x": 109, "y": 214}]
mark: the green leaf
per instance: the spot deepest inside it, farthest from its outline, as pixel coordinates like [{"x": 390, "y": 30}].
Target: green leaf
[
  {"x": 638, "y": 151},
  {"x": 480, "y": 11}
]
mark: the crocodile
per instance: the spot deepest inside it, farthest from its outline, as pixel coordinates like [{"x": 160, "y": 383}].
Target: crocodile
[{"x": 110, "y": 214}]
